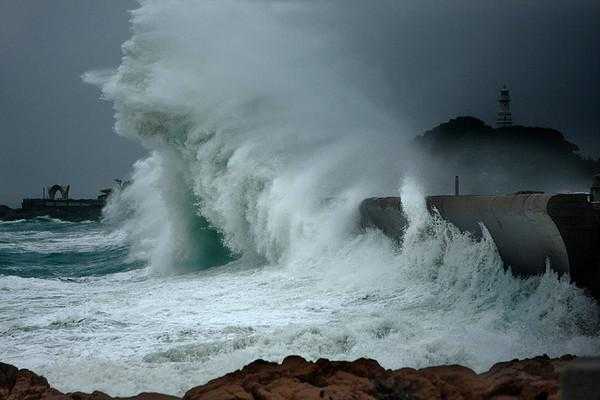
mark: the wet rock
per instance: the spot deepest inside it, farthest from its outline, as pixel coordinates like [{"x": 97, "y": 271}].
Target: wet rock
[
  {"x": 22, "y": 384},
  {"x": 295, "y": 378}
]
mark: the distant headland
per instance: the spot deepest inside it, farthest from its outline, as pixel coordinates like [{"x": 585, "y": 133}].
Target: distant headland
[
  {"x": 521, "y": 150},
  {"x": 504, "y": 159}
]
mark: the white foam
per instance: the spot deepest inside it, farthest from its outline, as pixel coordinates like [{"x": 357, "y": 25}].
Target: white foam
[{"x": 252, "y": 123}]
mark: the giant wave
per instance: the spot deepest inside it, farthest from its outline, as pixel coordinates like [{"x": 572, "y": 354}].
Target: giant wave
[{"x": 245, "y": 213}]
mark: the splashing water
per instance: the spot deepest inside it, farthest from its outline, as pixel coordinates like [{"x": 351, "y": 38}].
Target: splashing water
[{"x": 244, "y": 217}]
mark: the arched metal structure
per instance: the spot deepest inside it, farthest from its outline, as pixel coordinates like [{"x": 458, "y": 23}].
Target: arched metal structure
[{"x": 63, "y": 190}]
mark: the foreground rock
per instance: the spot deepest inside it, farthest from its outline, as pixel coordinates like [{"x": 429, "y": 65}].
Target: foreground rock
[
  {"x": 295, "y": 378},
  {"x": 22, "y": 384}
]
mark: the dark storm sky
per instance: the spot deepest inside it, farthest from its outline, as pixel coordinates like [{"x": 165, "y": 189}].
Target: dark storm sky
[
  {"x": 53, "y": 128},
  {"x": 439, "y": 59}
]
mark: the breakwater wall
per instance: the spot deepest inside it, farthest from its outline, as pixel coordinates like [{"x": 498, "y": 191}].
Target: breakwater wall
[
  {"x": 64, "y": 209},
  {"x": 528, "y": 229}
]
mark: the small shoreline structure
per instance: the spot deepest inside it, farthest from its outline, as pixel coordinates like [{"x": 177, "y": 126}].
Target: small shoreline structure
[
  {"x": 542, "y": 377},
  {"x": 56, "y": 203}
]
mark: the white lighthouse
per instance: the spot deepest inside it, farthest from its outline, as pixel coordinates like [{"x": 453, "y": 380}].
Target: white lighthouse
[{"x": 504, "y": 118}]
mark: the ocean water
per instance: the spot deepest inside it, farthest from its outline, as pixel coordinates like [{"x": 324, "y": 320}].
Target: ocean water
[
  {"x": 78, "y": 308},
  {"x": 238, "y": 238}
]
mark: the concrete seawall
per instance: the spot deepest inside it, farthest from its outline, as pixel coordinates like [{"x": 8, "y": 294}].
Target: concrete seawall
[
  {"x": 528, "y": 229},
  {"x": 67, "y": 210}
]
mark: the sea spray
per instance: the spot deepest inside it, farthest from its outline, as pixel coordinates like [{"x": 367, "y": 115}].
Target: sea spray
[
  {"x": 276, "y": 152},
  {"x": 261, "y": 148},
  {"x": 158, "y": 213},
  {"x": 275, "y": 148}
]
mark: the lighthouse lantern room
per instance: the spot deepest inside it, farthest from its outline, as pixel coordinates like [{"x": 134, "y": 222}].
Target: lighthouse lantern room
[{"x": 504, "y": 118}]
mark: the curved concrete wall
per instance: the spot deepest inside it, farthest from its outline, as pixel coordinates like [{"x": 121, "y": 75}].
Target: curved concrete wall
[
  {"x": 384, "y": 213},
  {"x": 528, "y": 229},
  {"x": 579, "y": 224},
  {"x": 522, "y": 229}
]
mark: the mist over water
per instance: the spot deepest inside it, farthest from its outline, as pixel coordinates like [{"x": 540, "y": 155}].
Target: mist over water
[{"x": 241, "y": 226}]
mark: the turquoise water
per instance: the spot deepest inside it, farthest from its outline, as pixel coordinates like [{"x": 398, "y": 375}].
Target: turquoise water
[{"x": 50, "y": 248}]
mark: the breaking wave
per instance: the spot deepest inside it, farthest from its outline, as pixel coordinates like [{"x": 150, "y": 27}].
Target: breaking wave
[{"x": 261, "y": 146}]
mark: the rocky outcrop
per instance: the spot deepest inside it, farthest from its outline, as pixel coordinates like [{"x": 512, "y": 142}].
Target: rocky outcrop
[
  {"x": 364, "y": 379},
  {"x": 6, "y": 213},
  {"x": 295, "y": 378},
  {"x": 16, "y": 384},
  {"x": 22, "y": 384}
]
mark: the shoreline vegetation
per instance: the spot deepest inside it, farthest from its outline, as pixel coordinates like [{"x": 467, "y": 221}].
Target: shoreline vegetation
[
  {"x": 506, "y": 159},
  {"x": 364, "y": 379}
]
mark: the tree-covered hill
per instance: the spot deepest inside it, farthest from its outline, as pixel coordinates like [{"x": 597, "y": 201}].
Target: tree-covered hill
[{"x": 505, "y": 159}]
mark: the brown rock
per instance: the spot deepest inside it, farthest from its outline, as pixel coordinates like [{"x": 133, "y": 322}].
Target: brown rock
[
  {"x": 8, "y": 377},
  {"x": 29, "y": 386},
  {"x": 16, "y": 384},
  {"x": 297, "y": 379}
]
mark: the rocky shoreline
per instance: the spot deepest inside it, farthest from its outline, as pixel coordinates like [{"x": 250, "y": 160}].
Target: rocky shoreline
[{"x": 364, "y": 379}]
